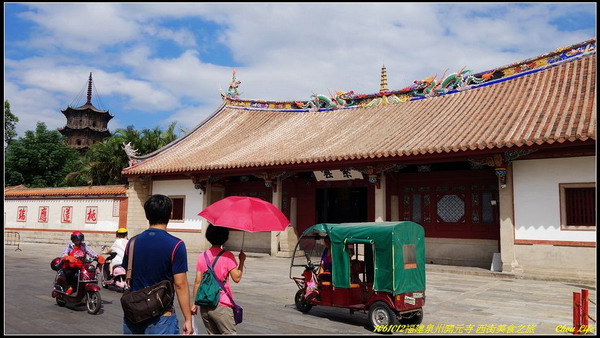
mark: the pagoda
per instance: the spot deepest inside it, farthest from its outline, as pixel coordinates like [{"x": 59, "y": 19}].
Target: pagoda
[{"x": 86, "y": 125}]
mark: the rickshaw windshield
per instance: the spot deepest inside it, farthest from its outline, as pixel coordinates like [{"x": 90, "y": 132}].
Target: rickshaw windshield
[{"x": 308, "y": 251}]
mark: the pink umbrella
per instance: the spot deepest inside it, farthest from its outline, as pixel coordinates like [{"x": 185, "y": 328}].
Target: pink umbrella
[{"x": 245, "y": 213}]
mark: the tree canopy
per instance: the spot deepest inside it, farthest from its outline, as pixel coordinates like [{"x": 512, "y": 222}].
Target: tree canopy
[
  {"x": 42, "y": 158},
  {"x": 10, "y": 123},
  {"x": 103, "y": 162},
  {"x": 39, "y": 159}
]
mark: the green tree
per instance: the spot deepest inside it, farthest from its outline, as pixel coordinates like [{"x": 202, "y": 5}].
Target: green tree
[
  {"x": 39, "y": 159},
  {"x": 103, "y": 162},
  {"x": 106, "y": 161},
  {"x": 10, "y": 122},
  {"x": 154, "y": 139},
  {"x": 80, "y": 177}
]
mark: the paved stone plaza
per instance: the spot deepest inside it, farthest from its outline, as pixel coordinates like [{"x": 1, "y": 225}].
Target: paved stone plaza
[{"x": 459, "y": 301}]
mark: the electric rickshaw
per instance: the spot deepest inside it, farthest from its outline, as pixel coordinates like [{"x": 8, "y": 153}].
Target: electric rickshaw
[{"x": 376, "y": 267}]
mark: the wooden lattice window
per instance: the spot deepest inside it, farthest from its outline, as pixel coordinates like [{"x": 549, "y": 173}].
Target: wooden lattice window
[{"x": 578, "y": 206}]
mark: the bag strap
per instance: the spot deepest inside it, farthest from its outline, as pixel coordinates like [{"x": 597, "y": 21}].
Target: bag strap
[
  {"x": 213, "y": 272},
  {"x": 228, "y": 294},
  {"x": 214, "y": 262},
  {"x": 130, "y": 261}
]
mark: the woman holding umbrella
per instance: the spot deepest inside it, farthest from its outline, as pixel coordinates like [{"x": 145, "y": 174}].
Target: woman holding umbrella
[
  {"x": 234, "y": 212},
  {"x": 219, "y": 320}
]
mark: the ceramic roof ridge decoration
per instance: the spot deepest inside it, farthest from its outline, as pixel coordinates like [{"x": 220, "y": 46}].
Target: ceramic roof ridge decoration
[
  {"x": 463, "y": 79},
  {"x": 232, "y": 91},
  {"x": 383, "y": 86}
]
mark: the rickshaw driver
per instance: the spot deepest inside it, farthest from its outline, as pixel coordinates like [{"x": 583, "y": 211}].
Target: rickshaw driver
[{"x": 324, "y": 274}]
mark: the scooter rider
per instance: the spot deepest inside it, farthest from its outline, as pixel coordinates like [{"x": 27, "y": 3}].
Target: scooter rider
[
  {"x": 71, "y": 255},
  {"x": 118, "y": 247}
]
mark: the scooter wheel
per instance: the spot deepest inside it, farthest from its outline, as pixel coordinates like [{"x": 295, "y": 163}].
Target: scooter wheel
[
  {"x": 93, "y": 302},
  {"x": 60, "y": 302}
]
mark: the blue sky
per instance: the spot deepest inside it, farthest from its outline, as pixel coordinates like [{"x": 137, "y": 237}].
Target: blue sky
[{"x": 153, "y": 64}]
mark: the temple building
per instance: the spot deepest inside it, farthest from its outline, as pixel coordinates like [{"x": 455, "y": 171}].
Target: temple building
[
  {"x": 86, "y": 125},
  {"x": 498, "y": 166}
]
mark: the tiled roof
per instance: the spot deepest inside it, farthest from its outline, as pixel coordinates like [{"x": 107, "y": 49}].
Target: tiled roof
[
  {"x": 87, "y": 106},
  {"x": 101, "y": 190},
  {"x": 556, "y": 104}
]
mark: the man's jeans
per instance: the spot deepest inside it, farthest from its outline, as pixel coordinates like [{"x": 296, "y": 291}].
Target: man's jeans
[{"x": 159, "y": 325}]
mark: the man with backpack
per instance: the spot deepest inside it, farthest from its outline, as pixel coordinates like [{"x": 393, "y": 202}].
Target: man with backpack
[{"x": 218, "y": 319}]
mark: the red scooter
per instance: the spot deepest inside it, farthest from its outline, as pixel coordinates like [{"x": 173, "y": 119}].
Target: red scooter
[{"x": 86, "y": 287}]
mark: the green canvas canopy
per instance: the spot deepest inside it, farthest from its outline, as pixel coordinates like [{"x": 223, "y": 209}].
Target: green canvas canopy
[{"x": 394, "y": 253}]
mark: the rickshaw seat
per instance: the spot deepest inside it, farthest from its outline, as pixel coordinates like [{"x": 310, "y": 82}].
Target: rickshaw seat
[
  {"x": 325, "y": 283},
  {"x": 357, "y": 266},
  {"x": 324, "y": 276},
  {"x": 354, "y": 286}
]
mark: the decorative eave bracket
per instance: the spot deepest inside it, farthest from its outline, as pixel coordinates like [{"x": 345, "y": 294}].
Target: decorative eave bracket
[{"x": 500, "y": 162}]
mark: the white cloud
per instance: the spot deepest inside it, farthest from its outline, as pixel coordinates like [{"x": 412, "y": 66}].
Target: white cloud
[
  {"x": 190, "y": 116},
  {"x": 183, "y": 76},
  {"x": 33, "y": 105},
  {"x": 181, "y": 37},
  {"x": 81, "y": 27}
]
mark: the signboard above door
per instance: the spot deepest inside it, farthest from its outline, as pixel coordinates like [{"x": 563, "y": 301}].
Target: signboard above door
[{"x": 338, "y": 175}]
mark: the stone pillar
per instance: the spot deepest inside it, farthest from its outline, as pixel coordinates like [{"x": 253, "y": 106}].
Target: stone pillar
[
  {"x": 288, "y": 238},
  {"x": 507, "y": 225},
  {"x": 380, "y": 205},
  {"x": 277, "y": 201},
  {"x": 140, "y": 188}
]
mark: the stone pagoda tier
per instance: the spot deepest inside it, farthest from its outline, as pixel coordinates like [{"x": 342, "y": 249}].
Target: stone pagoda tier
[{"x": 86, "y": 125}]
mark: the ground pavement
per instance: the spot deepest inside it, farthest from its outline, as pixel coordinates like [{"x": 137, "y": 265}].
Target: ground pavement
[{"x": 459, "y": 301}]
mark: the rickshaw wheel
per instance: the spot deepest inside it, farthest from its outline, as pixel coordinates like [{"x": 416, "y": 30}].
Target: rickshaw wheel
[
  {"x": 301, "y": 304},
  {"x": 413, "y": 318},
  {"x": 381, "y": 314}
]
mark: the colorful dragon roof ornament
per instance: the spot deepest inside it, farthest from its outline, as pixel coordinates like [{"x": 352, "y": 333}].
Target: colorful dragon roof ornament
[
  {"x": 232, "y": 91},
  {"x": 461, "y": 80}
]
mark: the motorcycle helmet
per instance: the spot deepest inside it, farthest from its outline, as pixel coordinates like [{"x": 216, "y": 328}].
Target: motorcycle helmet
[
  {"x": 122, "y": 231},
  {"x": 77, "y": 235},
  {"x": 56, "y": 264}
]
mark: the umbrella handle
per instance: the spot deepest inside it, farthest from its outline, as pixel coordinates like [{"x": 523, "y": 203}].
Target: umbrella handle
[{"x": 242, "y": 249}]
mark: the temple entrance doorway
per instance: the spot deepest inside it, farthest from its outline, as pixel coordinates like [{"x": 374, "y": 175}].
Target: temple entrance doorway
[{"x": 341, "y": 205}]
